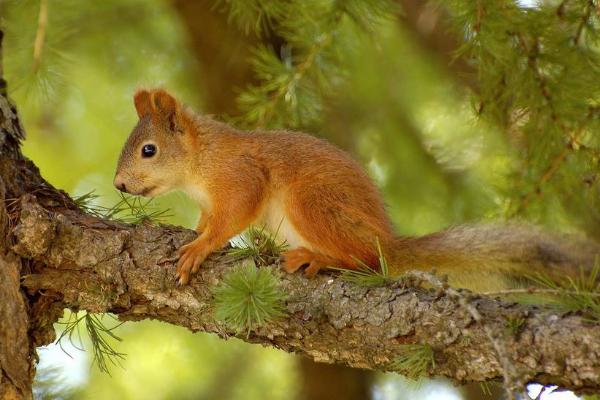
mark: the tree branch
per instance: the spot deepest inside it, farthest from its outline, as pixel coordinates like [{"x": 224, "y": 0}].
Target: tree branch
[{"x": 101, "y": 266}]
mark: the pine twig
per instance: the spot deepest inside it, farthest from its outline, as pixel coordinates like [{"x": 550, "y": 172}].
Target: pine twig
[
  {"x": 533, "y": 52},
  {"x": 583, "y": 22},
  {"x": 551, "y": 170},
  {"x": 556, "y": 163},
  {"x": 300, "y": 72},
  {"x": 40, "y": 35},
  {"x": 480, "y": 14},
  {"x": 534, "y": 290}
]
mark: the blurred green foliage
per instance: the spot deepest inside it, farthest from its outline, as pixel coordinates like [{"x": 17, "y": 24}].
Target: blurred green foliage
[
  {"x": 165, "y": 362},
  {"x": 348, "y": 71}
]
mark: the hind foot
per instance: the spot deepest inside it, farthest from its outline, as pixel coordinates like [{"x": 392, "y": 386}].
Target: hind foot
[{"x": 294, "y": 259}]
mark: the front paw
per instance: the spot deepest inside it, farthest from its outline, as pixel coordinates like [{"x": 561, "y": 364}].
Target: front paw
[{"x": 190, "y": 257}]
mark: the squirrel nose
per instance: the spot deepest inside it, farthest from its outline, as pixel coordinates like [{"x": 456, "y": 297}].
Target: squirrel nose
[{"x": 119, "y": 184}]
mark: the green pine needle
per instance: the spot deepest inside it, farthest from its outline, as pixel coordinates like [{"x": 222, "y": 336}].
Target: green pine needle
[
  {"x": 485, "y": 388},
  {"x": 100, "y": 337},
  {"x": 414, "y": 360},
  {"x": 369, "y": 15},
  {"x": 258, "y": 244},
  {"x": 253, "y": 16},
  {"x": 249, "y": 297},
  {"x": 366, "y": 276},
  {"x": 565, "y": 295},
  {"x": 514, "y": 324},
  {"x": 573, "y": 295},
  {"x": 129, "y": 209},
  {"x": 294, "y": 80}
]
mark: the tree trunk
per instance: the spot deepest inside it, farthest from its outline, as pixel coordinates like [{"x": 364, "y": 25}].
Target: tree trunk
[
  {"x": 427, "y": 23},
  {"x": 23, "y": 327}
]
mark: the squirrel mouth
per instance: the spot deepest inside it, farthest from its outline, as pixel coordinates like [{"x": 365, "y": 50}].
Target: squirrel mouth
[{"x": 147, "y": 191}]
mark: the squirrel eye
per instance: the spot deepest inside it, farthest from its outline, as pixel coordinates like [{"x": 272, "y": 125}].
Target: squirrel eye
[{"x": 148, "y": 150}]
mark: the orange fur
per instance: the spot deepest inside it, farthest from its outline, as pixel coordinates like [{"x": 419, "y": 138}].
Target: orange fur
[
  {"x": 311, "y": 193},
  {"x": 142, "y": 102}
]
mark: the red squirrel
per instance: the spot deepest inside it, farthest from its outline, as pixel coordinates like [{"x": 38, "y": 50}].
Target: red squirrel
[{"x": 315, "y": 197}]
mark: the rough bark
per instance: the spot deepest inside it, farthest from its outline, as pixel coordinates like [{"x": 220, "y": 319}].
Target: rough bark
[
  {"x": 84, "y": 263},
  {"x": 14, "y": 344},
  {"x": 16, "y": 348}
]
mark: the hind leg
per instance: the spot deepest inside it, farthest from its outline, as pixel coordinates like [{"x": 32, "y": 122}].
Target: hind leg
[
  {"x": 335, "y": 232},
  {"x": 296, "y": 258}
]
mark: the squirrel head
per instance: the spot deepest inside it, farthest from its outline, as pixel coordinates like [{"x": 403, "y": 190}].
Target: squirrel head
[{"x": 151, "y": 162}]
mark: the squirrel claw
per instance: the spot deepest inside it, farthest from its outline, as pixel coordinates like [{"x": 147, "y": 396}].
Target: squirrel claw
[
  {"x": 182, "y": 278},
  {"x": 190, "y": 257}
]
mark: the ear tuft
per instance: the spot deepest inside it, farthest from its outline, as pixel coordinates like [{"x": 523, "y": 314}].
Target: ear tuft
[{"x": 143, "y": 102}]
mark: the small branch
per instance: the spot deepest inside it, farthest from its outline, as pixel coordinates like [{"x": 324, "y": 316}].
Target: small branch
[
  {"x": 40, "y": 35},
  {"x": 480, "y": 12},
  {"x": 534, "y": 290},
  {"x": 556, "y": 163},
  {"x": 584, "y": 21},
  {"x": 532, "y": 52},
  {"x": 550, "y": 171},
  {"x": 300, "y": 71}
]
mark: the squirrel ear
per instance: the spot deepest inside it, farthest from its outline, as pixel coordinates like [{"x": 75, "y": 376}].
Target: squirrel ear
[
  {"x": 165, "y": 104},
  {"x": 143, "y": 102}
]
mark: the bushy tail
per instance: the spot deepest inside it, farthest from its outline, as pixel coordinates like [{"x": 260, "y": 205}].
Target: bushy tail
[{"x": 490, "y": 257}]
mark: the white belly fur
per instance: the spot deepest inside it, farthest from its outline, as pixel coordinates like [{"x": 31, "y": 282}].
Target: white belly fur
[
  {"x": 199, "y": 194},
  {"x": 272, "y": 217},
  {"x": 274, "y": 220}
]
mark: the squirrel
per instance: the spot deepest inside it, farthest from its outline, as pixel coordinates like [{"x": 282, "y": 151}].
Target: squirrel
[{"x": 318, "y": 199}]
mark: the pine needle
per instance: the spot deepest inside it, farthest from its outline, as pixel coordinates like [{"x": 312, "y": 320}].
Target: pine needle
[
  {"x": 129, "y": 209},
  {"x": 248, "y": 298},
  {"x": 567, "y": 295},
  {"x": 99, "y": 335},
  {"x": 414, "y": 360},
  {"x": 486, "y": 390},
  {"x": 258, "y": 244},
  {"x": 366, "y": 276},
  {"x": 574, "y": 295},
  {"x": 294, "y": 80}
]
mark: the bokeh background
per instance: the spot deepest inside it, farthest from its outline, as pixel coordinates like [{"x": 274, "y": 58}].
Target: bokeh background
[{"x": 450, "y": 119}]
